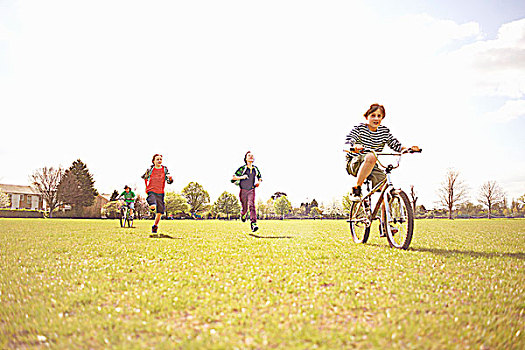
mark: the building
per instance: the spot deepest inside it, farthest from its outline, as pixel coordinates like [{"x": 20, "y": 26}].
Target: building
[{"x": 23, "y": 197}]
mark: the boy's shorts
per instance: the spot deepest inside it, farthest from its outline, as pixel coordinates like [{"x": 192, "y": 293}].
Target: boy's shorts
[
  {"x": 352, "y": 167},
  {"x": 130, "y": 205},
  {"x": 156, "y": 199}
]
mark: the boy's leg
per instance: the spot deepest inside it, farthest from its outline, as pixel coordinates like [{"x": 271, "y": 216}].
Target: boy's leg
[
  {"x": 366, "y": 168},
  {"x": 157, "y": 218},
  {"x": 160, "y": 208},
  {"x": 251, "y": 204},
  {"x": 244, "y": 201}
]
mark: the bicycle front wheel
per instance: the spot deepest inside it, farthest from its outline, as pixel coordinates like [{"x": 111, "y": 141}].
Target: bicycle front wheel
[
  {"x": 399, "y": 225},
  {"x": 122, "y": 218},
  {"x": 359, "y": 223}
]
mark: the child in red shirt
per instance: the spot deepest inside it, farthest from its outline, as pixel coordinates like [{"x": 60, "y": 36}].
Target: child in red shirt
[{"x": 155, "y": 179}]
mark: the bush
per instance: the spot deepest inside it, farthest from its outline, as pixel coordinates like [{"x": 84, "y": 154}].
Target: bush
[
  {"x": 21, "y": 213},
  {"x": 111, "y": 210}
]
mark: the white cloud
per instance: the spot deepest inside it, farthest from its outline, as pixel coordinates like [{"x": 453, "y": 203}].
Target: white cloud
[
  {"x": 495, "y": 67},
  {"x": 512, "y": 109}
]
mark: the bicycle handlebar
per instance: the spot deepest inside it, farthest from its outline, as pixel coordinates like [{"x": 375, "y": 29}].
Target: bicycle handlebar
[
  {"x": 399, "y": 154},
  {"x": 408, "y": 150}
]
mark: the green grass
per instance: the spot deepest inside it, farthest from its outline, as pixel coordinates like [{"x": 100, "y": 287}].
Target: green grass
[{"x": 91, "y": 284}]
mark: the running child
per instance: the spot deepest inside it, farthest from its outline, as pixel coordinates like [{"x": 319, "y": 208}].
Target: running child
[
  {"x": 364, "y": 138},
  {"x": 245, "y": 178},
  {"x": 155, "y": 178}
]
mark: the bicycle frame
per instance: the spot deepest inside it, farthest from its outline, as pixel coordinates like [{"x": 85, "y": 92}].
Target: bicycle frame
[{"x": 383, "y": 186}]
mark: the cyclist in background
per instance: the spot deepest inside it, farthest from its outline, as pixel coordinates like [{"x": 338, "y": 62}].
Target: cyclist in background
[{"x": 128, "y": 196}]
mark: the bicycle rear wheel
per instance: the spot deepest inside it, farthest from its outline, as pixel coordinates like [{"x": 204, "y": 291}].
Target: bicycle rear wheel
[
  {"x": 400, "y": 226},
  {"x": 359, "y": 223}
]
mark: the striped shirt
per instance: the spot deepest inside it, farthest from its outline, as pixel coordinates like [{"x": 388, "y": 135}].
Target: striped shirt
[{"x": 372, "y": 140}]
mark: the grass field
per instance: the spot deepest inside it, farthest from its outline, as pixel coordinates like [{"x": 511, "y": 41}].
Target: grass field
[{"x": 300, "y": 284}]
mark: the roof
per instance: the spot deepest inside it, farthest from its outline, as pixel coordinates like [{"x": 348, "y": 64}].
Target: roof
[
  {"x": 18, "y": 189},
  {"x": 106, "y": 196}
]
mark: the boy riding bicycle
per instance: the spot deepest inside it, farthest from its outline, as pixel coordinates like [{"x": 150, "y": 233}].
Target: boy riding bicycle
[
  {"x": 366, "y": 137},
  {"x": 128, "y": 196}
]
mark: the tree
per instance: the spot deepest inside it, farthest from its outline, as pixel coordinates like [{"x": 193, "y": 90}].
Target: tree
[
  {"x": 521, "y": 201},
  {"x": 141, "y": 208},
  {"x": 270, "y": 209},
  {"x": 114, "y": 196},
  {"x": 227, "y": 204},
  {"x": 46, "y": 181},
  {"x": 277, "y": 195},
  {"x": 262, "y": 209},
  {"x": 414, "y": 197},
  {"x": 491, "y": 194},
  {"x": 196, "y": 196},
  {"x": 176, "y": 204},
  {"x": 452, "y": 192},
  {"x": 469, "y": 209},
  {"x": 347, "y": 203},
  {"x": 282, "y": 206},
  {"x": 76, "y": 187},
  {"x": 111, "y": 210},
  {"x": 4, "y": 200},
  {"x": 315, "y": 213},
  {"x": 334, "y": 209}
]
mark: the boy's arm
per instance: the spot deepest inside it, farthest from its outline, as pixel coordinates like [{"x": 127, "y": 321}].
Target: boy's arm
[
  {"x": 259, "y": 177},
  {"x": 238, "y": 175},
  {"x": 352, "y": 136},
  {"x": 168, "y": 178},
  {"x": 394, "y": 143},
  {"x": 352, "y": 139}
]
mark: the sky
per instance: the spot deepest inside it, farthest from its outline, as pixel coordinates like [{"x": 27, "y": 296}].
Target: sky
[{"x": 202, "y": 82}]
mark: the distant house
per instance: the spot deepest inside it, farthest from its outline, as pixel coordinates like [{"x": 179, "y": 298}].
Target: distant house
[
  {"x": 23, "y": 197},
  {"x": 95, "y": 210}
]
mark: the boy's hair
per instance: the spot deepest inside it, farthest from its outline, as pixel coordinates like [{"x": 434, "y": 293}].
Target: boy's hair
[
  {"x": 153, "y": 159},
  {"x": 246, "y": 155},
  {"x": 127, "y": 187},
  {"x": 374, "y": 108}
]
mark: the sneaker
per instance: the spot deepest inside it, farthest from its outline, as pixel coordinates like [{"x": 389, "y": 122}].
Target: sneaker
[
  {"x": 154, "y": 229},
  {"x": 382, "y": 232},
  {"x": 393, "y": 229},
  {"x": 254, "y": 227},
  {"x": 355, "y": 196},
  {"x": 243, "y": 217}
]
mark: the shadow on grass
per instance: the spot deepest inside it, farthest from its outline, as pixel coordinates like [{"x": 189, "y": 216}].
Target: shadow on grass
[
  {"x": 453, "y": 252},
  {"x": 273, "y": 237},
  {"x": 160, "y": 235}
]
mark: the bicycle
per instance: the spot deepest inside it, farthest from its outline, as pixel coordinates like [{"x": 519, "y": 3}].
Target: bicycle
[
  {"x": 125, "y": 216},
  {"x": 397, "y": 217}
]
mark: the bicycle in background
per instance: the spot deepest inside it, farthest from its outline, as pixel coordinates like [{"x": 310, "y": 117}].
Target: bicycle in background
[{"x": 126, "y": 218}]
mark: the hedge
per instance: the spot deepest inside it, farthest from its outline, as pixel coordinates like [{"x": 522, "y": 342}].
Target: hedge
[{"x": 21, "y": 213}]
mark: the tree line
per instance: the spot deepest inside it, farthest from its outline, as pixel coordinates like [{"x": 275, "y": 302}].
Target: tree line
[
  {"x": 454, "y": 200},
  {"x": 75, "y": 188}
]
